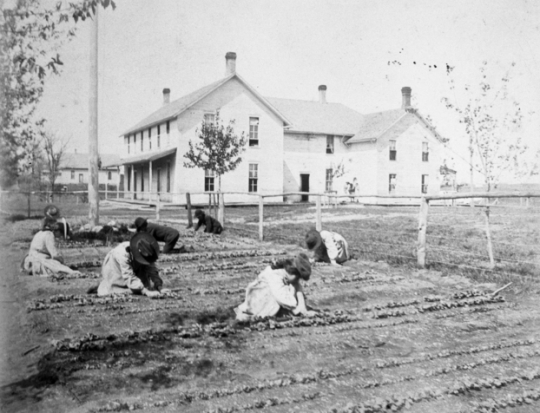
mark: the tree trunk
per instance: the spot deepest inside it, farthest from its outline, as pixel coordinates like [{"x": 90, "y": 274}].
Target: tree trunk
[{"x": 488, "y": 237}]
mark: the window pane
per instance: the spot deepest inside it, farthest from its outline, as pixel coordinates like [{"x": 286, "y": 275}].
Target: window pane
[
  {"x": 330, "y": 144},
  {"x": 253, "y": 170},
  {"x": 253, "y": 131}
]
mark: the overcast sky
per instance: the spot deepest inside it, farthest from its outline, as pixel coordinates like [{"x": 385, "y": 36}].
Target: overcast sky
[{"x": 363, "y": 50}]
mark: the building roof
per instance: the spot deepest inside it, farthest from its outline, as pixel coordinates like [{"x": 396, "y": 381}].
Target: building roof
[
  {"x": 176, "y": 107},
  {"x": 152, "y": 156},
  {"x": 315, "y": 117},
  {"x": 80, "y": 160},
  {"x": 376, "y": 124}
]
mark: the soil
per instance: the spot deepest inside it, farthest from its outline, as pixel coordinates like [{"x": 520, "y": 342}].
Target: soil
[{"x": 386, "y": 339}]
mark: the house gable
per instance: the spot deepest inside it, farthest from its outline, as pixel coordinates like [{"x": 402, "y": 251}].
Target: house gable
[{"x": 177, "y": 107}]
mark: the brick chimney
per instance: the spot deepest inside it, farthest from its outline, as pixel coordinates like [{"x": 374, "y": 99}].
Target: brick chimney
[
  {"x": 230, "y": 63},
  {"x": 166, "y": 96},
  {"x": 405, "y": 97},
  {"x": 322, "y": 94}
]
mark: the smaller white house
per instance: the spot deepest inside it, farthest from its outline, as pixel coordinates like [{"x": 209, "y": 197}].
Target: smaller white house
[{"x": 74, "y": 170}]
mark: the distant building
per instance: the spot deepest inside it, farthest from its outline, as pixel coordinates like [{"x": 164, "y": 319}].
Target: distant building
[
  {"x": 74, "y": 170},
  {"x": 293, "y": 146}
]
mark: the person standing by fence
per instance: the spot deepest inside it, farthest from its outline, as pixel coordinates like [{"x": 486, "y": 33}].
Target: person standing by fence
[{"x": 327, "y": 246}]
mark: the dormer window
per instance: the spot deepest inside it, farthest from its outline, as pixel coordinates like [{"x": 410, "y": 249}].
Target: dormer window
[{"x": 330, "y": 144}]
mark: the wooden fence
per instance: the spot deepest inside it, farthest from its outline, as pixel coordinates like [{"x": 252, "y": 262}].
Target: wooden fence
[{"x": 216, "y": 203}]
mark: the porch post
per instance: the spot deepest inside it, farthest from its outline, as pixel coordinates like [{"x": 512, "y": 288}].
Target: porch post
[
  {"x": 132, "y": 186},
  {"x": 150, "y": 180},
  {"x": 118, "y": 183}
]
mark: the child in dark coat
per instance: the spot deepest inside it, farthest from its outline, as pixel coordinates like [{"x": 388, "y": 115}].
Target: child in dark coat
[
  {"x": 160, "y": 233},
  {"x": 212, "y": 225}
]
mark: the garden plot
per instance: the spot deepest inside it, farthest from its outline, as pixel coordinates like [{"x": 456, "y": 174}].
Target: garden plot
[{"x": 386, "y": 339}]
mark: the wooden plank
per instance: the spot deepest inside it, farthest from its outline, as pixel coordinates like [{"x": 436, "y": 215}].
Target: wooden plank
[
  {"x": 261, "y": 218},
  {"x": 221, "y": 209},
  {"x": 488, "y": 195},
  {"x": 189, "y": 216},
  {"x": 422, "y": 230},
  {"x": 319, "y": 215}
]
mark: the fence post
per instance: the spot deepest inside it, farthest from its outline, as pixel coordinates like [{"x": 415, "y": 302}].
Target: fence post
[
  {"x": 261, "y": 218},
  {"x": 106, "y": 189},
  {"x": 157, "y": 208},
  {"x": 29, "y": 208},
  {"x": 221, "y": 208},
  {"x": 319, "y": 220},
  {"x": 189, "y": 217},
  {"x": 488, "y": 237},
  {"x": 422, "y": 230}
]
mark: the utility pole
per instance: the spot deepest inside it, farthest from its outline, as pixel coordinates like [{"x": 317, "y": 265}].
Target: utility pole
[{"x": 93, "y": 182}]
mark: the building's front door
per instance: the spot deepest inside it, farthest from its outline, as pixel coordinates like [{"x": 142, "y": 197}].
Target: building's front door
[{"x": 304, "y": 186}]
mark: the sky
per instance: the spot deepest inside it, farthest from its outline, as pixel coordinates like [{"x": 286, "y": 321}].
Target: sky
[{"x": 365, "y": 51}]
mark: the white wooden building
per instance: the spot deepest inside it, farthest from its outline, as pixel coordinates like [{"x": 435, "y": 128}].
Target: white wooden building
[{"x": 293, "y": 145}]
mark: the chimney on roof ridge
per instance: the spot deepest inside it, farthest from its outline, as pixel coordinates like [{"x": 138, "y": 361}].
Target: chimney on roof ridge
[
  {"x": 166, "y": 96},
  {"x": 405, "y": 97},
  {"x": 230, "y": 63},
  {"x": 322, "y": 94}
]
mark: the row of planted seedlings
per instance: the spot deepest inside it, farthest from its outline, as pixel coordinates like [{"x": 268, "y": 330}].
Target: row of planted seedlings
[
  {"x": 350, "y": 375},
  {"x": 322, "y": 319},
  {"x": 389, "y": 309}
]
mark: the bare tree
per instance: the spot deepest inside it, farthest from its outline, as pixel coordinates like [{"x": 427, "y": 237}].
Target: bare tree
[
  {"x": 492, "y": 120},
  {"x": 218, "y": 149},
  {"x": 54, "y": 148}
]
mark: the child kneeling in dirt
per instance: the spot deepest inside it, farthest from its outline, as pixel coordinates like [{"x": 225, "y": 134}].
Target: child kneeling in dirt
[
  {"x": 130, "y": 268},
  {"x": 277, "y": 289},
  {"x": 329, "y": 247},
  {"x": 212, "y": 225},
  {"x": 43, "y": 258}
]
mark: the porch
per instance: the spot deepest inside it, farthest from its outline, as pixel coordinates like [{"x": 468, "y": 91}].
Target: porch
[{"x": 150, "y": 177}]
